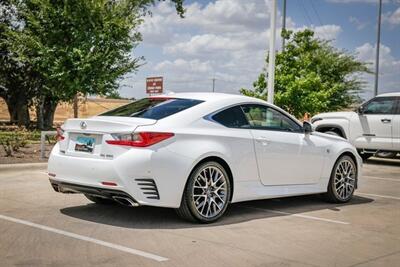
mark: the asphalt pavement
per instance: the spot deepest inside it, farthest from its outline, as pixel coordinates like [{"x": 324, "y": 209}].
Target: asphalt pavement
[{"x": 39, "y": 227}]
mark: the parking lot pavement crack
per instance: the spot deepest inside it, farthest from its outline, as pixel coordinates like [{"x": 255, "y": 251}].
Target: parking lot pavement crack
[{"x": 376, "y": 258}]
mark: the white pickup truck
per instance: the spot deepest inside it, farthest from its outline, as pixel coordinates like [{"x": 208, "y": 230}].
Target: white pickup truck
[{"x": 373, "y": 127}]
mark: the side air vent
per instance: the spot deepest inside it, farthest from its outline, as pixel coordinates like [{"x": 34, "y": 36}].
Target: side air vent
[{"x": 149, "y": 188}]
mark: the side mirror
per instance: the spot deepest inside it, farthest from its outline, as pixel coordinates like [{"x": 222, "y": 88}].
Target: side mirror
[
  {"x": 307, "y": 127},
  {"x": 360, "y": 110}
]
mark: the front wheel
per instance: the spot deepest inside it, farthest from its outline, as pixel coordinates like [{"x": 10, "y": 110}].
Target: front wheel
[
  {"x": 207, "y": 193},
  {"x": 343, "y": 180}
]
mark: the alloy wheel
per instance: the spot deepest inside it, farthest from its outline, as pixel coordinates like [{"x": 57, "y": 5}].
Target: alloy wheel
[
  {"x": 209, "y": 193},
  {"x": 345, "y": 177}
]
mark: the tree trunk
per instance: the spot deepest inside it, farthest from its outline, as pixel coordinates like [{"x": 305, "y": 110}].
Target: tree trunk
[
  {"x": 18, "y": 108},
  {"x": 45, "y": 110},
  {"x": 75, "y": 105}
]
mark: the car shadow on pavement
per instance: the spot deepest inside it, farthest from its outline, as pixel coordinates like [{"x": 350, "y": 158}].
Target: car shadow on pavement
[{"x": 146, "y": 217}]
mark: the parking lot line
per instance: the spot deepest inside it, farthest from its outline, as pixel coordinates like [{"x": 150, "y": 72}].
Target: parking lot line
[
  {"x": 297, "y": 215},
  {"x": 374, "y": 195},
  {"x": 380, "y": 178},
  {"x": 86, "y": 238}
]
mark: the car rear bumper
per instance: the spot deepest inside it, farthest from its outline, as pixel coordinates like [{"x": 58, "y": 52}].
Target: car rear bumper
[
  {"x": 116, "y": 195},
  {"x": 152, "y": 178}
]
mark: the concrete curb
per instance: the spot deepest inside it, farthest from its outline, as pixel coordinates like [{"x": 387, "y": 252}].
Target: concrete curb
[{"x": 23, "y": 166}]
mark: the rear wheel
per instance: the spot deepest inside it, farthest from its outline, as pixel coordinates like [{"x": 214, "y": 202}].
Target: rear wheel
[
  {"x": 343, "y": 180},
  {"x": 206, "y": 195},
  {"x": 100, "y": 200}
]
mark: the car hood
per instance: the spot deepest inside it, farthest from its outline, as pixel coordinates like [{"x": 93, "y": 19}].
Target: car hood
[{"x": 335, "y": 115}]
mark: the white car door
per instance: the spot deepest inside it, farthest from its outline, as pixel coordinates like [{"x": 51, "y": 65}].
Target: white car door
[
  {"x": 396, "y": 127},
  {"x": 285, "y": 155},
  {"x": 376, "y": 121}
]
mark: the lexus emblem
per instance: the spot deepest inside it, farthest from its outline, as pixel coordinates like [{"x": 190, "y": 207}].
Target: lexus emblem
[{"x": 83, "y": 125}]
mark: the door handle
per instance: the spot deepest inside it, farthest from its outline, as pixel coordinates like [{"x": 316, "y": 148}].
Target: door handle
[
  {"x": 263, "y": 140},
  {"x": 386, "y": 120}
]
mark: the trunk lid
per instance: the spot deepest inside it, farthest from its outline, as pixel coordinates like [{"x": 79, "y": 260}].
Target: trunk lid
[
  {"x": 105, "y": 124},
  {"x": 87, "y": 137}
]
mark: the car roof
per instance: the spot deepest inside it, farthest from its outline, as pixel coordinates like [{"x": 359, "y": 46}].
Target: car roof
[
  {"x": 216, "y": 98},
  {"x": 208, "y": 96},
  {"x": 389, "y": 94}
]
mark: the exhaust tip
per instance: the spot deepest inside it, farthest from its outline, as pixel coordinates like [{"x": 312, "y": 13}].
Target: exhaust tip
[{"x": 125, "y": 201}]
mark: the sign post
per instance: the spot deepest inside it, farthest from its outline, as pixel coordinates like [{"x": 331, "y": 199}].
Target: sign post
[{"x": 154, "y": 85}]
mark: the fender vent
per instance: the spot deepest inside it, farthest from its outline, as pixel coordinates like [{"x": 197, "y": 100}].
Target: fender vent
[{"x": 149, "y": 188}]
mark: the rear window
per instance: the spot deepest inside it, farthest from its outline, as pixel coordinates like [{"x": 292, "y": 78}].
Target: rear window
[{"x": 153, "y": 108}]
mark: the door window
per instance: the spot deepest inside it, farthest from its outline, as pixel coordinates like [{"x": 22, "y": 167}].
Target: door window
[
  {"x": 380, "y": 105},
  {"x": 263, "y": 117}
]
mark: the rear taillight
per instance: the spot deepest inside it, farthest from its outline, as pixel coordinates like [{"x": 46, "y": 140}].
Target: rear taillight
[
  {"x": 60, "y": 134},
  {"x": 141, "y": 139}
]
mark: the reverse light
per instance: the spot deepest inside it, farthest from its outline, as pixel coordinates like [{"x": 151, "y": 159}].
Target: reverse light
[{"x": 141, "y": 139}]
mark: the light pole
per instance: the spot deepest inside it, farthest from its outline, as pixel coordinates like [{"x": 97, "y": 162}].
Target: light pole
[
  {"x": 283, "y": 23},
  {"x": 378, "y": 42},
  {"x": 271, "y": 59}
]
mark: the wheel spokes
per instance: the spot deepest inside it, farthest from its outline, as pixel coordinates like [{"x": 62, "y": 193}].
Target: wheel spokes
[
  {"x": 209, "y": 191},
  {"x": 344, "y": 180}
]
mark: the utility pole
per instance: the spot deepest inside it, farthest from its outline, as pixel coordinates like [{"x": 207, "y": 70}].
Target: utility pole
[
  {"x": 283, "y": 23},
  {"x": 213, "y": 80},
  {"x": 378, "y": 43},
  {"x": 271, "y": 59}
]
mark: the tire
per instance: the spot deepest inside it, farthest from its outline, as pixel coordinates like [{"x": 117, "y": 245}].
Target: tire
[
  {"x": 342, "y": 183},
  {"x": 365, "y": 156},
  {"x": 100, "y": 200},
  {"x": 206, "y": 195},
  {"x": 386, "y": 154}
]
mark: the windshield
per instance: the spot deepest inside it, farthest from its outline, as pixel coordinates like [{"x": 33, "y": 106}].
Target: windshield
[{"x": 153, "y": 108}]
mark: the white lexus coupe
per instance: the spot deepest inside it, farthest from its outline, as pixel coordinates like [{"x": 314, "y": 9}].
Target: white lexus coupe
[{"x": 198, "y": 152}]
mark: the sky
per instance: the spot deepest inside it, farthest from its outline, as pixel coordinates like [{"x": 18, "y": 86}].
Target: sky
[{"x": 227, "y": 40}]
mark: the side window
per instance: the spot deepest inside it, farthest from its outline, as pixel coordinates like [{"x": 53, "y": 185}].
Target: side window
[
  {"x": 398, "y": 105},
  {"x": 380, "y": 105},
  {"x": 265, "y": 117},
  {"x": 232, "y": 117}
]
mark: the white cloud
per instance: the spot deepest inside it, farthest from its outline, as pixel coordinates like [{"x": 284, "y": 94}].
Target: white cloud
[
  {"x": 225, "y": 39},
  {"x": 181, "y": 65},
  {"x": 393, "y": 18},
  {"x": 389, "y": 67},
  {"x": 360, "y": 25},
  {"x": 328, "y": 32}
]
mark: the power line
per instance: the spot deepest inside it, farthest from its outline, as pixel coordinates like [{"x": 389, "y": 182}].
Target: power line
[
  {"x": 316, "y": 13},
  {"x": 305, "y": 12}
]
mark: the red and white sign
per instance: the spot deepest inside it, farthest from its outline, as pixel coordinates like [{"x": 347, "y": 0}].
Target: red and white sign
[{"x": 154, "y": 85}]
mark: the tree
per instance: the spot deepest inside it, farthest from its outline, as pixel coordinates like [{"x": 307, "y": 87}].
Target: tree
[
  {"x": 312, "y": 76},
  {"x": 18, "y": 81},
  {"x": 77, "y": 46}
]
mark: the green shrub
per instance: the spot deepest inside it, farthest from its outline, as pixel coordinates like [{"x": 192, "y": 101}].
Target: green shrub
[{"x": 14, "y": 140}]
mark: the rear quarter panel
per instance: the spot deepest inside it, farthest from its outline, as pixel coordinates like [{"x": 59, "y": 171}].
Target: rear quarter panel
[{"x": 204, "y": 139}]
